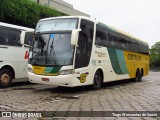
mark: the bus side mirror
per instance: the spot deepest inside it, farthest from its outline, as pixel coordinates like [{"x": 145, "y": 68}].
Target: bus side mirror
[
  {"x": 74, "y": 36},
  {"x": 22, "y": 37}
]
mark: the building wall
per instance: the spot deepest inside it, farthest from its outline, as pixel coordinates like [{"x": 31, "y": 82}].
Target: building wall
[{"x": 62, "y": 6}]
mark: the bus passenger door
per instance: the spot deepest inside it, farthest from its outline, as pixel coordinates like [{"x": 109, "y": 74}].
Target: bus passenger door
[
  {"x": 84, "y": 48},
  {"x": 85, "y": 41}
]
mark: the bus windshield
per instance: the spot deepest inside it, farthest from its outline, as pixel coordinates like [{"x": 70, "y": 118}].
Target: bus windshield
[
  {"x": 56, "y": 25},
  {"x": 51, "y": 49}
]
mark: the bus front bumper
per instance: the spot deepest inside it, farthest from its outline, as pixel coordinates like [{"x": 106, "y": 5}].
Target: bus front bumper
[{"x": 60, "y": 80}]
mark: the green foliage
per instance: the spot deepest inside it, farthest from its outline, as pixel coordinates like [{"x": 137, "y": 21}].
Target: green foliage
[
  {"x": 25, "y": 12},
  {"x": 155, "y": 55}
]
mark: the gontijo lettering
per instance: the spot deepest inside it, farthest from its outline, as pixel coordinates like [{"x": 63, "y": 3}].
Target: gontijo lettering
[{"x": 134, "y": 57}]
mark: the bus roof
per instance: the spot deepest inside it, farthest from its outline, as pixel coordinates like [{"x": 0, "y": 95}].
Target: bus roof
[
  {"x": 84, "y": 17},
  {"x": 16, "y": 26},
  {"x": 102, "y": 24}
]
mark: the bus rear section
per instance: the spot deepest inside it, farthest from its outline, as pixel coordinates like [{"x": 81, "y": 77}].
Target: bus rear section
[{"x": 14, "y": 51}]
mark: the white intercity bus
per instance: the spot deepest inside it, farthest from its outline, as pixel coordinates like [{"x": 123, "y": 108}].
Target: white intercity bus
[
  {"x": 76, "y": 51},
  {"x": 14, "y": 51}
]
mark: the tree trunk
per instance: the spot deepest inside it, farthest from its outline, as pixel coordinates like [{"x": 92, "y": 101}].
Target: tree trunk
[{"x": 38, "y": 1}]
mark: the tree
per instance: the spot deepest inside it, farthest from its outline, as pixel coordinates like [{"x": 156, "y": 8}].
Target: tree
[
  {"x": 155, "y": 55},
  {"x": 25, "y": 12},
  {"x": 38, "y": 1}
]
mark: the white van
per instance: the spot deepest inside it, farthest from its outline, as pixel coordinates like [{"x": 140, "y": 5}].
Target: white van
[{"x": 14, "y": 48}]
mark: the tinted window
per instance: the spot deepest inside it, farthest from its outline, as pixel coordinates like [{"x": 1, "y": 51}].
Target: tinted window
[
  {"x": 124, "y": 42},
  {"x": 133, "y": 45},
  {"x": 109, "y": 38},
  {"x": 28, "y": 38},
  {"x": 84, "y": 44},
  {"x": 144, "y": 49},
  {"x": 9, "y": 36},
  {"x": 114, "y": 40},
  {"x": 101, "y": 36}
]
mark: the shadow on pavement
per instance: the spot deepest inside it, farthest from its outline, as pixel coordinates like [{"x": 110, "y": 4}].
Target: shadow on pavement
[
  {"x": 81, "y": 89},
  {"x": 67, "y": 90}
]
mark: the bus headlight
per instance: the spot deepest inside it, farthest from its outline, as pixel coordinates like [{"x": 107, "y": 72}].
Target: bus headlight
[
  {"x": 30, "y": 69},
  {"x": 66, "y": 72}
]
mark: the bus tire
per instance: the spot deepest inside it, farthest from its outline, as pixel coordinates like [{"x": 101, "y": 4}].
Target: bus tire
[
  {"x": 138, "y": 76},
  {"x": 97, "y": 80},
  {"x": 5, "y": 78}
]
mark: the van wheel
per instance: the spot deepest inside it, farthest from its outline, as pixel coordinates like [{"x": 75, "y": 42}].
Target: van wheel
[
  {"x": 138, "y": 76},
  {"x": 5, "y": 78},
  {"x": 97, "y": 80}
]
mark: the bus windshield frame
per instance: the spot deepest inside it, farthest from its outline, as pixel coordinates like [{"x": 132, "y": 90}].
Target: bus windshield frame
[
  {"x": 62, "y": 24},
  {"x": 53, "y": 36}
]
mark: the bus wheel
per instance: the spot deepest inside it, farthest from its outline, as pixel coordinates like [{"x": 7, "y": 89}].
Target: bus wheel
[
  {"x": 138, "y": 76},
  {"x": 97, "y": 80},
  {"x": 5, "y": 78}
]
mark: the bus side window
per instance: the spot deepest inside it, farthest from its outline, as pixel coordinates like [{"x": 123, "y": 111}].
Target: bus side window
[
  {"x": 98, "y": 40},
  {"x": 2, "y": 36},
  {"x": 124, "y": 42},
  {"x": 9, "y": 36},
  {"x": 111, "y": 41},
  {"x": 115, "y": 38},
  {"x": 28, "y": 38},
  {"x": 134, "y": 46},
  {"x": 101, "y": 36},
  {"x": 13, "y": 37},
  {"x": 143, "y": 48}
]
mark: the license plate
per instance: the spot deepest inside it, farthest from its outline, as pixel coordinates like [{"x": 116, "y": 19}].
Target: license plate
[{"x": 45, "y": 79}]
